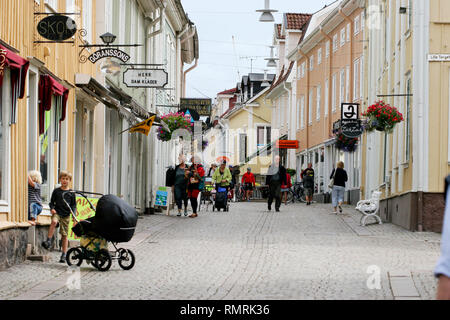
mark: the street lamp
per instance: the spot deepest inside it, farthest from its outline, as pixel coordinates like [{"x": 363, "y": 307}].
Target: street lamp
[
  {"x": 265, "y": 82},
  {"x": 271, "y": 62},
  {"x": 266, "y": 15},
  {"x": 108, "y": 38}
]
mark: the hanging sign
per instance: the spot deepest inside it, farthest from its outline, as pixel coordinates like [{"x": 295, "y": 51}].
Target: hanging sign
[
  {"x": 201, "y": 106},
  {"x": 109, "y": 53},
  {"x": 144, "y": 127},
  {"x": 349, "y": 111},
  {"x": 351, "y": 128},
  {"x": 57, "y": 27},
  {"x": 287, "y": 144},
  {"x": 145, "y": 78}
]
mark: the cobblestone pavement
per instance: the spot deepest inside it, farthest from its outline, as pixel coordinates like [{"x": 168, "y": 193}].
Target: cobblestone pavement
[{"x": 248, "y": 253}]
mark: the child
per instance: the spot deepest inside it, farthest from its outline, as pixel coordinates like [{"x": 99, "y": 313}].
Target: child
[
  {"x": 61, "y": 213},
  {"x": 34, "y": 195}
]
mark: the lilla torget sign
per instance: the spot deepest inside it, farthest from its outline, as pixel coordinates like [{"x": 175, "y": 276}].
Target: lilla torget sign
[
  {"x": 109, "y": 53},
  {"x": 57, "y": 27},
  {"x": 145, "y": 78}
]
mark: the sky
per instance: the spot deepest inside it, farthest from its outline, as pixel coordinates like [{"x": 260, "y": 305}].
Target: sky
[{"x": 217, "y": 22}]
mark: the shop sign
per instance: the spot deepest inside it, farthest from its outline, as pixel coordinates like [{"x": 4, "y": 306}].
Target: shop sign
[
  {"x": 201, "y": 106},
  {"x": 84, "y": 212},
  {"x": 287, "y": 144},
  {"x": 145, "y": 78},
  {"x": 2, "y": 61},
  {"x": 109, "y": 53},
  {"x": 349, "y": 111},
  {"x": 351, "y": 128},
  {"x": 57, "y": 27}
]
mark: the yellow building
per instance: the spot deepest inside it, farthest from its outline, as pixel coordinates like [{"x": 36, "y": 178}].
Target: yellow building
[
  {"x": 407, "y": 66},
  {"x": 31, "y": 138}
]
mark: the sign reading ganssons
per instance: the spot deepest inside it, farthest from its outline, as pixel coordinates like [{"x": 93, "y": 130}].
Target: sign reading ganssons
[{"x": 109, "y": 53}]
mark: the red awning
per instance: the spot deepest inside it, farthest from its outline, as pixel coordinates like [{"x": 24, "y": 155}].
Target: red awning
[
  {"x": 19, "y": 68},
  {"x": 48, "y": 87}
]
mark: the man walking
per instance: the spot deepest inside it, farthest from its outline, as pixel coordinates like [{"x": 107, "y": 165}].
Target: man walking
[
  {"x": 307, "y": 176},
  {"x": 249, "y": 182},
  {"x": 276, "y": 175}
]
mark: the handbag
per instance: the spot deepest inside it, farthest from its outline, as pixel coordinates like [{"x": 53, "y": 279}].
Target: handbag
[{"x": 331, "y": 184}]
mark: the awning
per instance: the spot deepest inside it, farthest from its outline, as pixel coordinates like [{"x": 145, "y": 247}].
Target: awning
[
  {"x": 49, "y": 87},
  {"x": 18, "y": 69}
]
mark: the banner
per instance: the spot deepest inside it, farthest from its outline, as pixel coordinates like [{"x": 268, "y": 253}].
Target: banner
[
  {"x": 84, "y": 212},
  {"x": 143, "y": 127}
]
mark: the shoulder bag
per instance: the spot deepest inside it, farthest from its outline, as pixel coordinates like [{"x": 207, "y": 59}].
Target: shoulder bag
[{"x": 331, "y": 184}]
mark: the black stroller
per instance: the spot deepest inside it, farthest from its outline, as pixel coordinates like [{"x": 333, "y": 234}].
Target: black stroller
[
  {"x": 114, "y": 221},
  {"x": 221, "y": 199}
]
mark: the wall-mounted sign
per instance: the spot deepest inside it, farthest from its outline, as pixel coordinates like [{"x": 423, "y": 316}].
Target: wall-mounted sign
[
  {"x": 2, "y": 63},
  {"x": 349, "y": 111},
  {"x": 287, "y": 144},
  {"x": 201, "y": 106},
  {"x": 145, "y": 78},
  {"x": 109, "y": 53},
  {"x": 57, "y": 27},
  {"x": 439, "y": 57},
  {"x": 351, "y": 128}
]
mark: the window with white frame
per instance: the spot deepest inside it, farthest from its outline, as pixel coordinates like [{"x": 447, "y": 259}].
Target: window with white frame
[
  {"x": 333, "y": 93},
  {"x": 357, "y": 24},
  {"x": 361, "y": 78},
  {"x": 5, "y": 102},
  {"x": 348, "y": 32},
  {"x": 356, "y": 82},
  {"x": 347, "y": 84},
  {"x": 303, "y": 69},
  {"x": 87, "y": 20},
  {"x": 311, "y": 63},
  {"x": 310, "y": 107},
  {"x": 342, "y": 37},
  {"x": 318, "y": 102},
  {"x": 319, "y": 56},
  {"x": 302, "y": 112},
  {"x": 362, "y": 21},
  {"x": 342, "y": 86},
  {"x": 327, "y": 49},
  {"x": 263, "y": 136},
  {"x": 299, "y": 74},
  {"x": 335, "y": 42},
  {"x": 325, "y": 105}
]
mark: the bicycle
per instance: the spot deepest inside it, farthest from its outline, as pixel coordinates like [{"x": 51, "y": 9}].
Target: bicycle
[
  {"x": 240, "y": 194},
  {"x": 296, "y": 192}
]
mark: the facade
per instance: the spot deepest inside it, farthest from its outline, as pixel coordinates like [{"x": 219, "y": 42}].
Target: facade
[
  {"x": 329, "y": 62},
  {"x": 409, "y": 165}
]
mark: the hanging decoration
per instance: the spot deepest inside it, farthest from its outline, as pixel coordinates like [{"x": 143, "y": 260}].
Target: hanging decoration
[
  {"x": 381, "y": 117},
  {"x": 344, "y": 143},
  {"x": 174, "y": 121}
]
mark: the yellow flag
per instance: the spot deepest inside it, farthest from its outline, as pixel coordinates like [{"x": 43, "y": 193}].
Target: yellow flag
[{"x": 143, "y": 127}]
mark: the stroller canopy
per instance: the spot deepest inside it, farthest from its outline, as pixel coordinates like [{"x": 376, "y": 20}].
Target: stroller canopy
[{"x": 115, "y": 220}]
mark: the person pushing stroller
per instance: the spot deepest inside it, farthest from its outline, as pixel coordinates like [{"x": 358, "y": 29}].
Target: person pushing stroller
[{"x": 222, "y": 179}]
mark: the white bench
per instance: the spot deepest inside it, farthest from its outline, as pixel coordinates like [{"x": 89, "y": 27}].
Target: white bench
[{"x": 370, "y": 208}]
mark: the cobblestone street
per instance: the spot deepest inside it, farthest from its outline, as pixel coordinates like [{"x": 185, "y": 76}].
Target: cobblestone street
[{"x": 248, "y": 253}]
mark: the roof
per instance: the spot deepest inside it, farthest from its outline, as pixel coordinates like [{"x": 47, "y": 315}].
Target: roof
[
  {"x": 260, "y": 76},
  {"x": 279, "y": 35},
  {"x": 229, "y": 91},
  {"x": 295, "y": 20},
  {"x": 318, "y": 17}
]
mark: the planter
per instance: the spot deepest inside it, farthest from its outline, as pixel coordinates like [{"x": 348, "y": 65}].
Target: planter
[{"x": 382, "y": 117}]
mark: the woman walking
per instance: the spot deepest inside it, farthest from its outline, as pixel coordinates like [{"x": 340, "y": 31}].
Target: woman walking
[
  {"x": 196, "y": 174},
  {"x": 285, "y": 188},
  {"x": 340, "y": 178},
  {"x": 180, "y": 185}
]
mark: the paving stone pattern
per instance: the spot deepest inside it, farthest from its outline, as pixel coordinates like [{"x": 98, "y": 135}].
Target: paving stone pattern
[{"x": 249, "y": 253}]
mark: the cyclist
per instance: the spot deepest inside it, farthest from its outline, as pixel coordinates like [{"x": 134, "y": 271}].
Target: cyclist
[{"x": 249, "y": 182}]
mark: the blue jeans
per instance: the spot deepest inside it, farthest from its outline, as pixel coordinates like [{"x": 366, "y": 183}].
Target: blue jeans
[
  {"x": 35, "y": 210},
  {"x": 337, "y": 195}
]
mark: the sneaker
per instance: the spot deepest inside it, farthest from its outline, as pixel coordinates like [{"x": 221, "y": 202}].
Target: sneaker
[
  {"x": 47, "y": 244},
  {"x": 179, "y": 214},
  {"x": 63, "y": 258},
  {"x": 269, "y": 208},
  {"x": 277, "y": 210},
  {"x": 340, "y": 209}
]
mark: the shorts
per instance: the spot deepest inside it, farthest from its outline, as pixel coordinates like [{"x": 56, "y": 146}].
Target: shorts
[
  {"x": 309, "y": 192},
  {"x": 284, "y": 189},
  {"x": 248, "y": 187},
  {"x": 63, "y": 224}
]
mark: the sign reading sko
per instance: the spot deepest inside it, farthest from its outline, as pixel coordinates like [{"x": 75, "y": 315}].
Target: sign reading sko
[
  {"x": 109, "y": 53},
  {"x": 57, "y": 27},
  {"x": 145, "y": 78}
]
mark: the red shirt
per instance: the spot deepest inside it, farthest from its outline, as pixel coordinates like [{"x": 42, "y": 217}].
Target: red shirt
[
  {"x": 288, "y": 179},
  {"x": 249, "y": 178}
]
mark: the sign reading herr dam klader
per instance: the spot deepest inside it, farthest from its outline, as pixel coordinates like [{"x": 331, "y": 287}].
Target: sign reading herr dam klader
[
  {"x": 145, "y": 78},
  {"x": 109, "y": 53}
]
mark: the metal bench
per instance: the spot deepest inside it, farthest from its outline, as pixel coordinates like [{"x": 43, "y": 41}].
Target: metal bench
[{"x": 370, "y": 208}]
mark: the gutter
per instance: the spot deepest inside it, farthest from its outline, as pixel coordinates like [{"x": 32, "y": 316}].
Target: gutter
[
  {"x": 330, "y": 93},
  {"x": 185, "y": 73}
]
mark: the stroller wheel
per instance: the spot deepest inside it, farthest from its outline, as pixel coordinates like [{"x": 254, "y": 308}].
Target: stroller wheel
[
  {"x": 126, "y": 259},
  {"x": 102, "y": 260},
  {"x": 74, "y": 257}
]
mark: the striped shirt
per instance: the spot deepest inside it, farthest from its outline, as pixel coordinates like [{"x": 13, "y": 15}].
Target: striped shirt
[{"x": 34, "y": 194}]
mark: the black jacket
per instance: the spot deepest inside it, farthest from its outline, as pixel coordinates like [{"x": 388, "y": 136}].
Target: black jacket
[
  {"x": 282, "y": 172},
  {"x": 340, "y": 178}
]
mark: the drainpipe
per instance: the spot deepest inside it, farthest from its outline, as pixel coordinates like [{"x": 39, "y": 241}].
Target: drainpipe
[
  {"x": 192, "y": 67},
  {"x": 307, "y": 96},
  {"x": 351, "y": 50},
  {"x": 330, "y": 80}
]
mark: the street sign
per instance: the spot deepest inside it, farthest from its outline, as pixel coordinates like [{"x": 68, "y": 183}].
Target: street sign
[
  {"x": 349, "y": 111},
  {"x": 439, "y": 57},
  {"x": 145, "y": 78},
  {"x": 109, "y": 53},
  {"x": 201, "y": 106},
  {"x": 287, "y": 144},
  {"x": 57, "y": 27}
]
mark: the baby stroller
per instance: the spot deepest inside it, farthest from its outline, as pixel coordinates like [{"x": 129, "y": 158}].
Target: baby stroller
[
  {"x": 207, "y": 193},
  {"x": 221, "y": 199},
  {"x": 114, "y": 221}
]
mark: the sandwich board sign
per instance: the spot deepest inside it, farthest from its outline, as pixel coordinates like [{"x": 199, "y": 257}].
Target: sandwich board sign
[{"x": 163, "y": 198}]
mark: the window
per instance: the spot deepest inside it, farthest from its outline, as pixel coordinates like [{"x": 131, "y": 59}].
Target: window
[
  {"x": 263, "y": 136},
  {"x": 242, "y": 147},
  {"x": 303, "y": 69},
  {"x": 356, "y": 82},
  {"x": 302, "y": 112},
  {"x": 297, "y": 115},
  {"x": 87, "y": 20},
  {"x": 409, "y": 14},
  {"x": 357, "y": 24},
  {"x": 408, "y": 121},
  {"x": 327, "y": 49},
  {"x": 335, "y": 43},
  {"x": 333, "y": 93},
  {"x": 299, "y": 74},
  {"x": 342, "y": 37},
  {"x": 342, "y": 87},
  {"x": 348, "y": 32},
  {"x": 361, "y": 78},
  {"x": 311, "y": 63},
  {"x": 325, "y": 105},
  {"x": 310, "y": 107},
  {"x": 5, "y": 102},
  {"x": 347, "y": 84},
  {"x": 319, "y": 94},
  {"x": 319, "y": 56}
]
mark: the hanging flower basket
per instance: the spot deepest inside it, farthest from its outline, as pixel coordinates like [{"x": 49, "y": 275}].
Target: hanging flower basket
[
  {"x": 381, "y": 117},
  {"x": 174, "y": 121},
  {"x": 345, "y": 143},
  {"x": 204, "y": 144}
]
